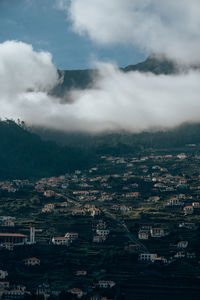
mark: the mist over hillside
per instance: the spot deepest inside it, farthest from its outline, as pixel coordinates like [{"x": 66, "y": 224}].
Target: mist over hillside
[
  {"x": 82, "y": 79},
  {"x": 24, "y": 155},
  {"x": 154, "y": 95},
  {"x": 186, "y": 133},
  {"x": 176, "y": 137},
  {"x": 37, "y": 151}
]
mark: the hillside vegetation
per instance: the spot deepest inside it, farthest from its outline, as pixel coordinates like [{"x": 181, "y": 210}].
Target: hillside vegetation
[{"x": 23, "y": 154}]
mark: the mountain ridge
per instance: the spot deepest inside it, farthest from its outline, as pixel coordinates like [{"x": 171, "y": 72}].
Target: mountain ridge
[
  {"x": 82, "y": 79},
  {"x": 41, "y": 152}
]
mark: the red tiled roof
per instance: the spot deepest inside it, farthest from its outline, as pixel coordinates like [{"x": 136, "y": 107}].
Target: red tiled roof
[
  {"x": 13, "y": 235},
  {"x": 60, "y": 238},
  {"x": 32, "y": 258}
]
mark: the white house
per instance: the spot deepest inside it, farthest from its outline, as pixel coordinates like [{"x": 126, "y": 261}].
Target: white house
[
  {"x": 32, "y": 261},
  {"x": 149, "y": 257},
  {"x": 99, "y": 238},
  {"x": 8, "y": 223},
  {"x": 188, "y": 210},
  {"x": 157, "y": 232},
  {"x": 49, "y": 193},
  {"x": 48, "y": 208},
  {"x": 3, "y": 274},
  {"x": 72, "y": 235},
  {"x": 61, "y": 240},
  {"x": 182, "y": 244},
  {"x": 182, "y": 156},
  {"x": 143, "y": 235},
  {"x": 14, "y": 294},
  {"x": 103, "y": 232},
  {"x": 81, "y": 273},
  {"x": 77, "y": 292},
  {"x": 4, "y": 285},
  {"x": 196, "y": 204},
  {"x": 175, "y": 202},
  {"x": 179, "y": 254},
  {"x": 7, "y": 245},
  {"x": 106, "y": 284}
]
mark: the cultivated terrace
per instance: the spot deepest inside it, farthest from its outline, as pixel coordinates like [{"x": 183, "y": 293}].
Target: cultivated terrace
[{"x": 127, "y": 226}]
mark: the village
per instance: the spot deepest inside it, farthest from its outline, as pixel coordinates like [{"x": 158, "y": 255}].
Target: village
[{"x": 101, "y": 233}]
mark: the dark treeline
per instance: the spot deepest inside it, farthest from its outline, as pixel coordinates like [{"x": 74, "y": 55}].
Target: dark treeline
[
  {"x": 24, "y": 154},
  {"x": 124, "y": 141}
]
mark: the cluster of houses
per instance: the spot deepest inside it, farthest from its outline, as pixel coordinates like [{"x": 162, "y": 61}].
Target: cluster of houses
[
  {"x": 101, "y": 284},
  {"x": 148, "y": 231},
  {"x": 15, "y": 185},
  {"x": 65, "y": 240},
  {"x": 88, "y": 191},
  {"x": 8, "y": 291},
  {"x": 187, "y": 205},
  {"x": 121, "y": 208},
  {"x": 88, "y": 210},
  {"x": 178, "y": 250},
  {"x": 9, "y": 240},
  {"x": 101, "y": 232},
  {"x": 7, "y": 221}
]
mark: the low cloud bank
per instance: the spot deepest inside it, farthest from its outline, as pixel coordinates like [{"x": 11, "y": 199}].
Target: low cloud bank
[{"x": 130, "y": 101}]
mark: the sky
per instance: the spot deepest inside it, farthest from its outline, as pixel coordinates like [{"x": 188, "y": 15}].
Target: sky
[
  {"x": 40, "y": 36},
  {"x": 45, "y": 26}
]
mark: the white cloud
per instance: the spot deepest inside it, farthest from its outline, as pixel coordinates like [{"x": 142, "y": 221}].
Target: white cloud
[
  {"x": 136, "y": 102},
  {"x": 169, "y": 27},
  {"x": 22, "y": 68},
  {"x": 131, "y": 101}
]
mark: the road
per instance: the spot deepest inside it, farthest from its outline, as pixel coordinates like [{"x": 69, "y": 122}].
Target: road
[{"x": 130, "y": 235}]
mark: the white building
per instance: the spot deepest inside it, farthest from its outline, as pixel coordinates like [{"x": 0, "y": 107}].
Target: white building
[
  {"x": 13, "y": 294},
  {"x": 7, "y": 245},
  {"x": 4, "y": 285},
  {"x": 32, "y": 261},
  {"x": 61, "y": 240},
  {"x": 103, "y": 232},
  {"x": 149, "y": 257},
  {"x": 3, "y": 274},
  {"x": 175, "y": 202},
  {"x": 182, "y": 244},
  {"x": 182, "y": 156},
  {"x": 188, "y": 210},
  {"x": 77, "y": 292},
  {"x": 106, "y": 284},
  {"x": 16, "y": 239},
  {"x": 32, "y": 234},
  {"x": 143, "y": 235},
  {"x": 8, "y": 223},
  {"x": 196, "y": 204},
  {"x": 72, "y": 235},
  {"x": 157, "y": 232},
  {"x": 99, "y": 239},
  {"x": 179, "y": 254}
]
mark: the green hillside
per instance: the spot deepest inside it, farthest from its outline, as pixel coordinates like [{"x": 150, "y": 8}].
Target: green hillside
[
  {"x": 125, "y": 142},
  {"x": 23, "y": 154},
  {"x": 26, "y": 153}
]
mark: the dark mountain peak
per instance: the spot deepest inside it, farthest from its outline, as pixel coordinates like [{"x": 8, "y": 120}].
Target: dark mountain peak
[
  {"x": 82, "y": 79},
  {"x": 157, "y": 64}
]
